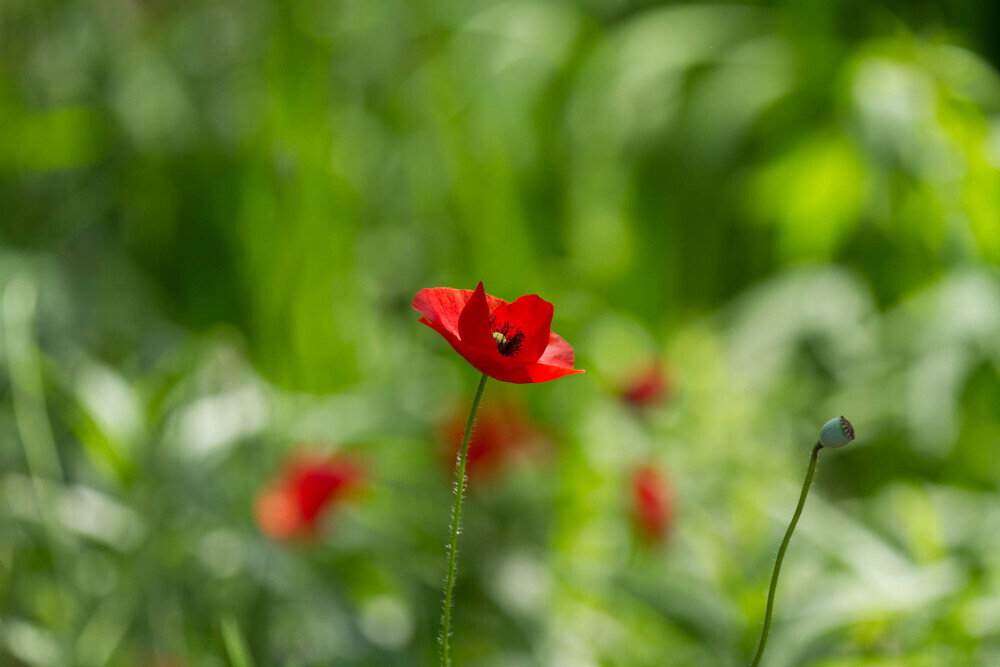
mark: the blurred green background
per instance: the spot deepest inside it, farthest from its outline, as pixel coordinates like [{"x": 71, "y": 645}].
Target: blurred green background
[{"x": 214, "y": 215}]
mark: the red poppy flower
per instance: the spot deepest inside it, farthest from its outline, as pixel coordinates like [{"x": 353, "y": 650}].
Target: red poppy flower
[
  {"x": 500, "y": 434},
  {"x": 293, "y": 507},
  {"x": 647, "y": 387},
  {"x": 511, "y": 342},
  {"x": 652, "y": 503}
]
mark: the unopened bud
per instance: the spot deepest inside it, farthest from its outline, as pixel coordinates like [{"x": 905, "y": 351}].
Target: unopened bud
[{"x": 836, "y": 433}]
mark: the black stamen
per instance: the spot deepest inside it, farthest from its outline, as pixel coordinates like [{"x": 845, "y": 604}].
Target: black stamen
[{"x": 509, "y": 338}]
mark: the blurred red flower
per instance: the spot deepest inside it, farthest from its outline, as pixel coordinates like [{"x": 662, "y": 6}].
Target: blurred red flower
[
  {"x": 647, "y": 387},
  {"x": 510, "y": 342},
  {"x": 500, "y": 434},
  {"x": 652, "y": 503},
  {"x": 293, "y": 506}
]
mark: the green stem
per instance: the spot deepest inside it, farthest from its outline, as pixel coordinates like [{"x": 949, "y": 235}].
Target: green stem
[
  {"x": 456, "y": 514},
  {"x": 781, "y": 553}
]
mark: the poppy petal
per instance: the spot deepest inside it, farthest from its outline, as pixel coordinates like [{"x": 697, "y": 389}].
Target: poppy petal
[
  {"x": 443, "y": 305},
  {"x": 484, "y": 359},
  {"x": 533, "y": 315},
  {"x": 489, "y": 360},
  {"x": 495, "y": 302},
  {"x": 558, "y": 352},
  {"x": 452, "y": 338},
  {"x": 474, "y": 322},
  {"x": 277, "y": 514},
  {"x": 539, "y": 372}
]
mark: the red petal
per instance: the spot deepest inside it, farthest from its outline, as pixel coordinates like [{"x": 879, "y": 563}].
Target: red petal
[
  {"x": 647, "y": 387},
  {"x": 495, "y": 302},
  {"x": 539, "y": 372},
  {"x": 557, "y": 353},
  {"x": 484, "y": 359},
  {"x": 533, "y": 315},
  {"x": 277, "y": 514},
  {"x": 448, "y": 335},
  {"x": 474, "y": 323},
  {"x": 442, "y": 305},
  {"x": 652, "y": 503},
  {"x": 489, "y": 360},
  {"x": 317, "y": 483}
]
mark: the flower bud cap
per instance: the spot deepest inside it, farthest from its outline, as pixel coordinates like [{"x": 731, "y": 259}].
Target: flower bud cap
[{"x": 836, "y": 433}]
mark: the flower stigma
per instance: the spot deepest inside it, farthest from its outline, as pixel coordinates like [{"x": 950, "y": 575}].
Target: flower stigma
[{"x": 509, "y": 338}]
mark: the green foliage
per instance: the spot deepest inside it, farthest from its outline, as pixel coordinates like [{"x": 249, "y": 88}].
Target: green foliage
[{"x": 213, "y": 217}]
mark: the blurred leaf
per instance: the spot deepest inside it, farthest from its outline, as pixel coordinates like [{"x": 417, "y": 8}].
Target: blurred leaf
[
  {"x": 236, "y": 646},
  {"x": 67, "y": 138}
]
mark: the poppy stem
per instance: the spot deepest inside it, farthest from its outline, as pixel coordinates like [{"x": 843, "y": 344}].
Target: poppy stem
[
  {"x": 455, "y": 516},
  {"x": 781, "y": 552}
]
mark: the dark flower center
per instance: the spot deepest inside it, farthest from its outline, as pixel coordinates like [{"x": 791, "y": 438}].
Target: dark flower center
[{"x": 508, "y": 337}]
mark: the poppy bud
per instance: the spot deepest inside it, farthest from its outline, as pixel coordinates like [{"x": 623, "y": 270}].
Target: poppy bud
[
  {"x": 647, "y": 388},
  {"x": 652, "y": 504},
  {"x": 836, "y": 433}
]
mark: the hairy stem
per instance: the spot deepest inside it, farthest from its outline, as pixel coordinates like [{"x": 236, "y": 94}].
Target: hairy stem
[
  {"x": 781, "y": 553},
  {"x": 456, "y": 514}
]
